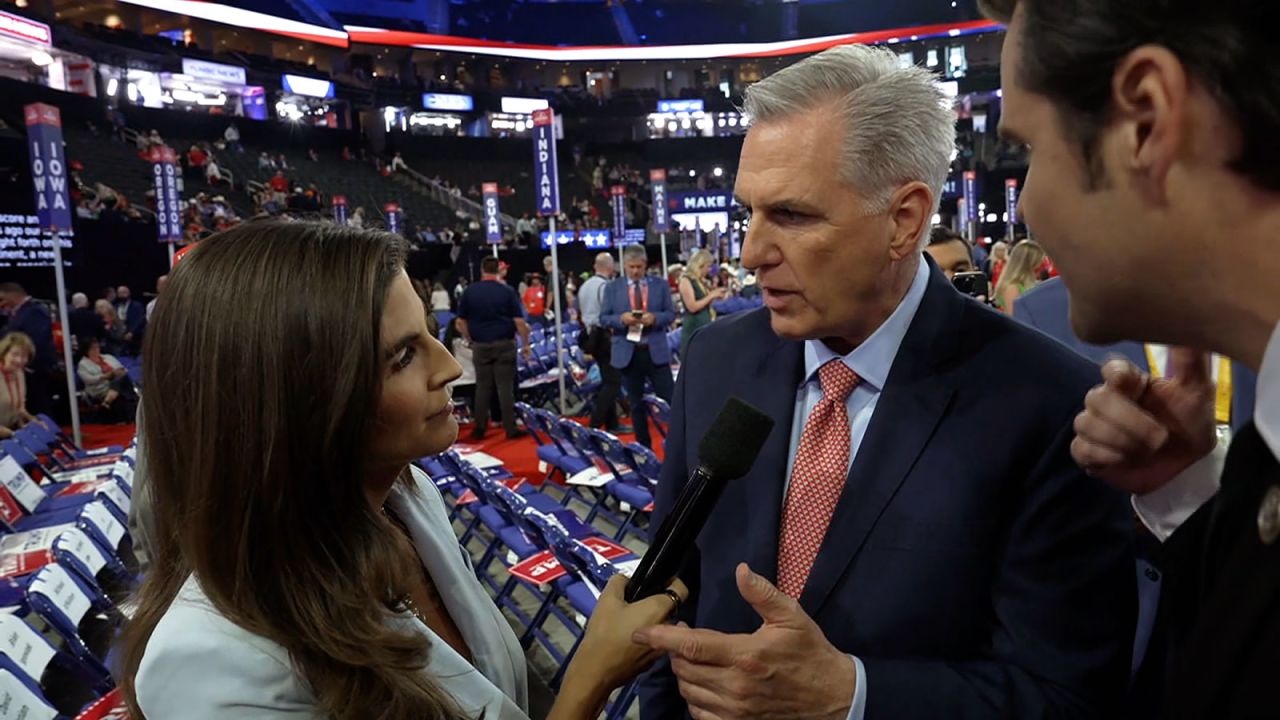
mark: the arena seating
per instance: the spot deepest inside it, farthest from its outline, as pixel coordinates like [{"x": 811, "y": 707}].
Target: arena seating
[{"x": 66, "y": 562}]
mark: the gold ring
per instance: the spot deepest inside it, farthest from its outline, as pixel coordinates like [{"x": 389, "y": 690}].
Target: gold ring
[{"x": 675, "y": 598}]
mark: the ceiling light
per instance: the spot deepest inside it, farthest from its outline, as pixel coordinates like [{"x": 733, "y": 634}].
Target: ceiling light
[{"x": 41, "y": 58}]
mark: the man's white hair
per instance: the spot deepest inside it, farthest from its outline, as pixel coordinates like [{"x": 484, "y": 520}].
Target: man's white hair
[
  {"x": 79, "y": 300},
  {"x": 604, "y": 260},
  {"x": 899, "y": 127}
]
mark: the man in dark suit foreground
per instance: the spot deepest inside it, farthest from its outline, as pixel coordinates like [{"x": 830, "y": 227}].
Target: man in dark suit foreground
[
  {"x": 894, "y": 571},
  {"x": 1153, "y": 127}
]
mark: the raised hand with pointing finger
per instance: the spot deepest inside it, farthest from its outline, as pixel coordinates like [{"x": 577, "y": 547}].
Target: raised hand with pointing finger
[
  {"x": 786, "y": 669},
  {"x": 1138, "y": 432}
]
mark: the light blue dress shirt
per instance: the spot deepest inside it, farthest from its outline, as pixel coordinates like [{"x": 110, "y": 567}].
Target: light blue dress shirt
[
  {"x": 591, "y": 300},
  {"x": 872, "y": 361}
]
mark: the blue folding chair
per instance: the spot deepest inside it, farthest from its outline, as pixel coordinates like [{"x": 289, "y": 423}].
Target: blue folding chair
[
  {"x": 659, "y": 411},
  {"x": 628, "y": 486}
]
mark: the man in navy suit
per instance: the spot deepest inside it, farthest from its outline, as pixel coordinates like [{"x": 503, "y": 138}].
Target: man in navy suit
[
  {"x": 872, "y": 564},
  {"x": 134, "y": 316},
  {"x": 637, "y": 310},
  {"x": 32, "y": 318}
]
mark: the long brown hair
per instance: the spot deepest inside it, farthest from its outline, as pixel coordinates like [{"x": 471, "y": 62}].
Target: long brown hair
[{"x": 262, "y": 381}]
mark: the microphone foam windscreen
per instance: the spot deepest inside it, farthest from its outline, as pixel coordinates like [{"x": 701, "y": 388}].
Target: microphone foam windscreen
[{"x": 733, "y": 442}]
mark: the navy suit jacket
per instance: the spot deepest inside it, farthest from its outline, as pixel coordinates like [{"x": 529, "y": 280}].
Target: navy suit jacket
[
  {"x": 135, "y": 319},
  {"x": 1046, "y": 308},
  {"x": 33, "y": 319},
  {"x": 617, "y": 300},
  {"x": 995, "y": 583}
]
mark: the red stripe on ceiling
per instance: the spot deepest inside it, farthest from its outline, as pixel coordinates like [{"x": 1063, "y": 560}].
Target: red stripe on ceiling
[{"x": 408, "y": 38}]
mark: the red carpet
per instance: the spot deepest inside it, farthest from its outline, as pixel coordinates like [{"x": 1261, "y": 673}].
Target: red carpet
[
  {"x": 521, "y": 455},
  {"x": 96, "y": 436}
]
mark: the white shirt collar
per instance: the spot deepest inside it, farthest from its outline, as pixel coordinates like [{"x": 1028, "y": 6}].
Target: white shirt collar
[
  {"x": 873, "y": 359},
  {"x": 1266, "y": 412}
]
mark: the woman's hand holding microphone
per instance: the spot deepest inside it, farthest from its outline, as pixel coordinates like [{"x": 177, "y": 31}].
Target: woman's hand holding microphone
[{"x": 607, "y": 658}]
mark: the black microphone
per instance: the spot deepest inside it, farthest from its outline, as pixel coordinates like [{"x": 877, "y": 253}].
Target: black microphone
[{"x": 726, "y": 452}]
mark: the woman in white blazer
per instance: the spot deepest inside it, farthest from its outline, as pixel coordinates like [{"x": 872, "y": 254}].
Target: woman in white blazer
[{"x": 301, "y": 566}]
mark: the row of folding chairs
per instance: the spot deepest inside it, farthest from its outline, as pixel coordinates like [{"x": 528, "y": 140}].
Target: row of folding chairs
[
  {"x": 615, "y": 480},
  {"x": 518, "y": 526},
  {"x": 65, "y": 562}
]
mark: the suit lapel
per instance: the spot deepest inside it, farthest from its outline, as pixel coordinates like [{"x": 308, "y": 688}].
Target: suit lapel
[
  {"x": 776, "y": 377},
  {"x": 1239, "y": 577},
  {"x": 910, "y": 406}
]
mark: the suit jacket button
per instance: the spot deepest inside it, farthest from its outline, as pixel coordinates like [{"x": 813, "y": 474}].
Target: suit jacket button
[
  {"x": 1269, "y": 516},
  {"x": 1152, "y": 575}
]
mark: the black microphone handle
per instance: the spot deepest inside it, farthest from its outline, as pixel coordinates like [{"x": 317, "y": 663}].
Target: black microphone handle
[{"x": 676, "y": 536}]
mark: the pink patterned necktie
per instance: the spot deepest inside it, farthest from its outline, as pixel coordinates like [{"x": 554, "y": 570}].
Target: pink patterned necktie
[{"x": 817, "y": 478}]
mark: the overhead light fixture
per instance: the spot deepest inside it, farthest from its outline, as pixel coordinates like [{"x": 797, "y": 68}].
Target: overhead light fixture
[
  {"x": 41, "y": 58},
  {"x": 112, "y": 86}
]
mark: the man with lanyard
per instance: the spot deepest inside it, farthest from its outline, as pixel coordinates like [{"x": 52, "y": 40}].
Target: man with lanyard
[
  {"x": 590, "y": 303},
  {"x": 638, "y": 312},
  {"x": 490, "y": 315}
]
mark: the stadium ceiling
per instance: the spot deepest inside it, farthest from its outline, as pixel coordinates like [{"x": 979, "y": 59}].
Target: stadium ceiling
[{"x": 262, "y": 22}]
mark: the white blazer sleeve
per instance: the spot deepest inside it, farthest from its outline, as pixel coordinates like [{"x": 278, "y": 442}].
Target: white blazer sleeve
[{"x": 200, "y": 666}]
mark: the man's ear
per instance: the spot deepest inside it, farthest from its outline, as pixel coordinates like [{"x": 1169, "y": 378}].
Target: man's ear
[
  {"x": 910, "y": 211},
  {"x": 1149, "y": 95}
]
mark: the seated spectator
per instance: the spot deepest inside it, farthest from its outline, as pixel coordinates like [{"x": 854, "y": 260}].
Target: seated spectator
[
  {"x": 426, "y": 236},
  {"x": 281, "y": 162},
  {"x": 279, "y": 183},
  {"x": 1020, "y": 274},
  {"x": 212, "y": 173},
  {"x": 154, "y": 139},
  {"x": 265, "y": 162},
  {"x": 196, "y": 158},
  {"x": 106, "y": 382},
  {"x": 16, "y": 351},
  {"x": 86, "y": 209},
  {"x": 113, "y": 330}
]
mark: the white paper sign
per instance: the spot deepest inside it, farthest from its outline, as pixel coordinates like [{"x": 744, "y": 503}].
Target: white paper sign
[
  {"x": 24, "y": 646},
  {"x": 55, "y": 584},
  {"x": 112, "y": 492},
  {"x": 20, "y": 484},
  {"x": 80, "y": 476},
  {"x": 483, "y": 461},
  {"x": 18, "y": 702},
  {"x": 68, "y": 538},
  {"x": 591, "y": 477},
  {"x": 97, "y": 513}
]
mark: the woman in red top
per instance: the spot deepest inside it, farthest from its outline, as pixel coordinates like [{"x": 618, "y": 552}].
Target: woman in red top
[{"x": 535, "y": 300}]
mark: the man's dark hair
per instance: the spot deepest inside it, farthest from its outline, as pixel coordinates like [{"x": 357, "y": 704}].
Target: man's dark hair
[
  {"x": 489, "y": 266},
  {"x": 12, "y": 288},
  {"x": 1071, "y": 48},
  {"x": 940, "y": 235}
]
